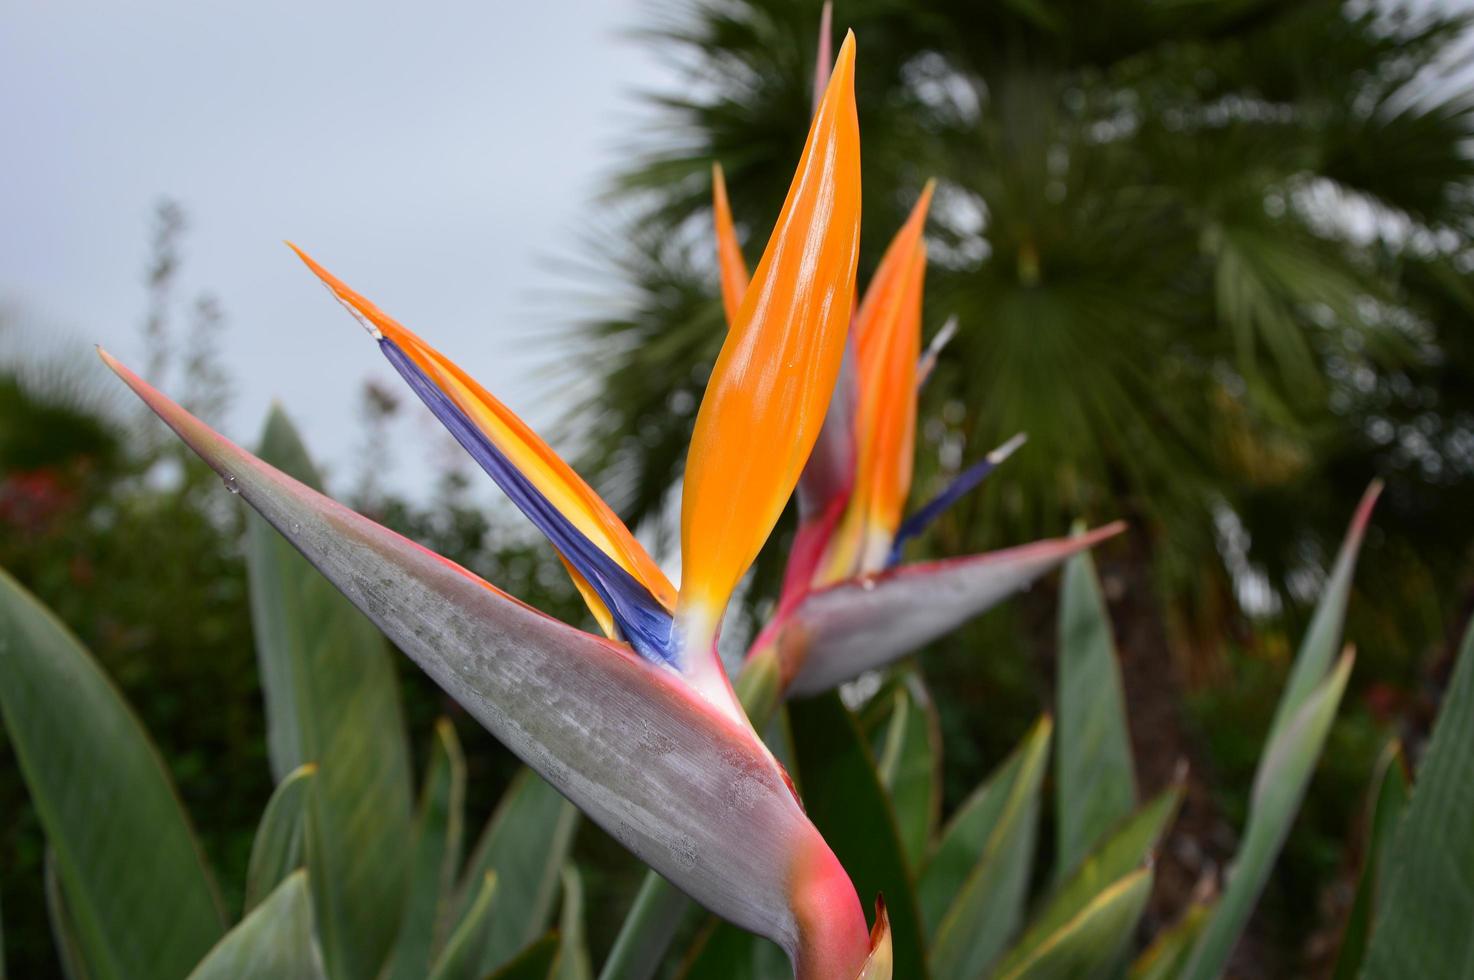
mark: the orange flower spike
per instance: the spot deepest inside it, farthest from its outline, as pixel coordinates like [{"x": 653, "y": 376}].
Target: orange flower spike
[
  {"x": 553, "y": 477},
  {"x": 888, "y": 343},
  {"x": 772, "y": 382},
  {"x": 732, "y": 266},
  {"x": 892, "y": 435}
]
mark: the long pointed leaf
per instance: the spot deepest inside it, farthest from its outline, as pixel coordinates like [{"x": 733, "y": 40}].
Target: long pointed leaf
[
  {"x": 838, "y": 633},
  {"x": 536, "y": 962},
  {"x": 1422, "y": 926},
  {"x": 844, "y": 798},
  {"x": 573, "y": 954},
  {"x": 332, "y": 699},
  {"x": 1285, "y": 772},
  {"x": 647, "y": 931},
  {"x": 461, "y": 958},
  {"x": 1387, "y": 800},
  {"x": 434, "y": 860},
  {"x": 1121, "y": 853},
  {"x": 684, "y": 787},
  {"x": 63, "y": 926},
  {"x": 989, "y": 906},
  {"x": 1095, "y": 786},
  {"x": 1168, "y": 953},
  {"x": 966, "y": 837},
  {"x": 136, "y": 885},
  {"x": 277, "y": 850},
  {"x": 525, "y": 845},
  {"x": 274, "y": 942},
  {"x": 910, "y": 766},
  {"x": 1088, "y": 945}
]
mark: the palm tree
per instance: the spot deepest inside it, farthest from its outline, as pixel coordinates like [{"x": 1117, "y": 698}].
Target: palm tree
[{"x": 1214, "y": 258}]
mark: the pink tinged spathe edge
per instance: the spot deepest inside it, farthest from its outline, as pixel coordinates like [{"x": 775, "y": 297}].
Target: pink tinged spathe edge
[
  {"x": 686, "y": 789},
  {"x": 838, "y": 633}
]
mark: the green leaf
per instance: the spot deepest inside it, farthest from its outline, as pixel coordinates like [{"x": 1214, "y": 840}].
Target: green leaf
[
  {"x": 1422, "y": 925},
  {"x": 910, "y": 765},
  {"x": 1168, "y": 953},
  {"x": 138, "y": 891},
  {"x": 331, "y": 698},
  {"x": 275, "y": 941},
  {"x": 536, "y": 962},
  {"x": 525, "y": 844},
  {"x": 844, "y": 799},
  {"x": 647, "y": 931},
  {"x": 277, "y": 850},
  {"x": 1089, "y": 944},
  {"x": 724, "y": 952},
  {"x": 464, "y": 951},
  {"x": 435, "y": 858},
  {"x": 1319, "y": 645},
  {"x": 966, "y": 837},
  {"x": 1385, "y": 804},
  {"x": 1116, "y": 858},
  {"x": 573, "y": 954},
  {"x": 990, "y": 904},
  {"x": 1284, "y": 773},
  {"x": 63, "y": 928},
  {"x": 1302, "y": 718},
  {"x": 1095, "y": 781}
]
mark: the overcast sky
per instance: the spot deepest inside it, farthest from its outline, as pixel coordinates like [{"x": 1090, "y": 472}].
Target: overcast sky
[{"x": 434, "y": 156}]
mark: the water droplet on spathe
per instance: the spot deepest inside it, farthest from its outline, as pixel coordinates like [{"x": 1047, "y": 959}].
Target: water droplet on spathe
[
  {"x": 296, "y": 527},
  {"x": 231, "y": 484}
]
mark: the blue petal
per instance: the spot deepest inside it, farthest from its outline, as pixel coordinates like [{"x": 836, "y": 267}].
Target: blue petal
[
  {"x": 963, "y": 483},
  {"x": 641, "y": 619}
]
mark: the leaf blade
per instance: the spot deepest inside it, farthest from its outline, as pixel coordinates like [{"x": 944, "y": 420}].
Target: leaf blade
[
  {"x": 276, "y": 850},
  {"x": 332, "y": 699},
  {"x": 1095, "y": 777},
  {"x": 275, "y": 941},
  {"x": 82, "y": 751}
]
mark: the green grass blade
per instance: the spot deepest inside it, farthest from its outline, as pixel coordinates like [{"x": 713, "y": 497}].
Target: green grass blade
[
  {"x": 910, "y": 766},
  {"x": 277, "y": 849},
  {"x": 573, "y": 953},
  {"x": 1121, "y": 853},
  {"x": 464, "y": 951},
  {"x": 967, "y": 834},
  {"x": 275, "y": 941},
  {"x": 435, "y": 859},
  {"x": 1385, "y": 804},
  {"x": 844, "y": 799},
  {"x": 1284, "y": 773},
  {"x": 1095, "y": 781},
  {"x": 331, "y": 698},
  {"x": 526, "y": 844},
  {"x": 988, "y": 908},
  {"x": 1422, "y": 926},
  {"x": 136, "y": 885},
  {"x": 1089, "y": 944}
]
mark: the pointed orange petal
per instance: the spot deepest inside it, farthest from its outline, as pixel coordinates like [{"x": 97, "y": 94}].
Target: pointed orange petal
[
  {"x": 887, "y": 350},
  {"x": 732, "y": 266},
  {"x": 553, "y": 477},
  {"x": 772, "y": 382}
]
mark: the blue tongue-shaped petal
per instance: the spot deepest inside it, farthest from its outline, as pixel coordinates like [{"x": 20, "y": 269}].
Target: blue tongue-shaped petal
[
  {"x": 642, "y": 621},
  {"x": 962, "y": 484}
]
